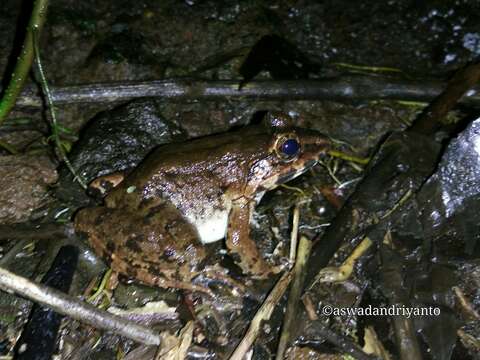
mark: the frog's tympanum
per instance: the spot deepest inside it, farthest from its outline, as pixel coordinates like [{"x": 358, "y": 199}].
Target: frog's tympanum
[{"x": 154, "y": 222}]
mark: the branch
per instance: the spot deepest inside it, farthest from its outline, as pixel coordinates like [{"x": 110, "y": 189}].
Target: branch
[
  {"x": 344, "y": 88},
  {"x": 262, "y": 314},
  {"x": 76, "y": 309},
  {"x": 290, "y": 318},
  {"x": 462, "y": 82}
]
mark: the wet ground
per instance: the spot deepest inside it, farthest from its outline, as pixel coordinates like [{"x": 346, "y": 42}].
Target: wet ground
[{"x": 99, "y": 41}]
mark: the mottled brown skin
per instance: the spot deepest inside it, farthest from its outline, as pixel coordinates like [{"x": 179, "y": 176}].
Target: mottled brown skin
[
  {"x": 156, "y": 247},
  {"x": 149, "y": 227}
]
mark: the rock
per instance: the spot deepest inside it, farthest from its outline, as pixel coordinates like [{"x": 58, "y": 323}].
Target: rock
[
  {"x": 450, "y": 198},
  {"x": 24, "y": 184}
]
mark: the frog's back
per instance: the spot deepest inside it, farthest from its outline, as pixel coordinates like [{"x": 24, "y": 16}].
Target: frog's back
[
  {"x": 199, "y": 178},
  {"x": 205, "y": 151}
]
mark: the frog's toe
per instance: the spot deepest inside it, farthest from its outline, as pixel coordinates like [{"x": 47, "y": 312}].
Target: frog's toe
[
  {"x": 215, "y": 275},
  {"x": 180, "y": 285},
  {"x": 271, "y": 272}
]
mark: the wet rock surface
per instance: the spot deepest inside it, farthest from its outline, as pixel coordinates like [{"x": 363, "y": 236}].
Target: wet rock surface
[
  {"x": 119, "y": 139},
  {"x": 450, "y": 213},
  {"x": 170, "y": 37}
]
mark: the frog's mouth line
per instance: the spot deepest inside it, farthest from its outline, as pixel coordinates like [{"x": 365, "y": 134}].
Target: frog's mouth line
[{"x": 282, "y": 179}]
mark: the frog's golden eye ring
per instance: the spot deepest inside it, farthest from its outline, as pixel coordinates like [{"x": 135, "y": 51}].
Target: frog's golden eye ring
[{"x": 287, "y": 146}]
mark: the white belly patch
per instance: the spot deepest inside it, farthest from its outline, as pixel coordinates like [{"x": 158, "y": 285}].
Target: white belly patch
[{"x": 211, "y": 228}]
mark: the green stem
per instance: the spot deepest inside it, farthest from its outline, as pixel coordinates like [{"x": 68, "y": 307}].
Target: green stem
[
  {"x": 54, "y": 123},
  {"x": 25, "y": 59}
]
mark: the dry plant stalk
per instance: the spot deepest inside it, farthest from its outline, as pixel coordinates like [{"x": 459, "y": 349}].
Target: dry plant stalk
[
  {"x": 78, "y": 310},
  {"x": 263, "y": 313},
  {"x": 304, "y": 248}
]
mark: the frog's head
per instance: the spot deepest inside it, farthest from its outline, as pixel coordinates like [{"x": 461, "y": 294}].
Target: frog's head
[{"x": 291, "y": 152}]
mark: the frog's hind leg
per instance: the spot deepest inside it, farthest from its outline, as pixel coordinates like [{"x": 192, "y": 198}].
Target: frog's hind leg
[
  {"x": 217, "y": 274},
  {"x": 146, "y": 278},
  {"x": 156, "y": 247}
]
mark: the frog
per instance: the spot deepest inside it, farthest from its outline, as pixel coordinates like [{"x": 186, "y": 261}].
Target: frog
[{"x": 156, "y": 220}]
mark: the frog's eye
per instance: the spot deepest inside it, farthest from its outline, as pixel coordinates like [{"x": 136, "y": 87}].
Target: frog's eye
[
  {"x": 290, "y": 147},
  {"x": 287, "y": 146}
]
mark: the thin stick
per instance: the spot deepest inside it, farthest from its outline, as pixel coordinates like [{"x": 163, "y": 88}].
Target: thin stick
[
  {"x": 76, "y": 309},
  {"x": 42, "y": 231},
  {"x": 294, "y": 234},
  {"x": 263, "y": 313},
  {"x": 466, "y": 304},
  {"x": 53, "y": 118},
  {"x": 309, "y": 307},
  {"x": 344, "y": 88},
  {"x": 463, "y": 81},
  {"x": 12, "y": 253},
  {"x": 304, "y": 248}
]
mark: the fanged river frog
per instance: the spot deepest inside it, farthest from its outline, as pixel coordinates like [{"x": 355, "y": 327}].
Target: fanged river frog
[{"x": 154, "y": 223}]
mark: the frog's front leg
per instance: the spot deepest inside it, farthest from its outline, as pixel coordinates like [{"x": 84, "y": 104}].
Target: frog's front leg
[{"x": 239, "y": 243}]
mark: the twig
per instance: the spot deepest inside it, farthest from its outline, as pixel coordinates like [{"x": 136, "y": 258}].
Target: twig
[
  {"x": 463, "y": 81},
  {"x": 391, "y": 282},
  {"x": 309, "y": 307},
  {"x": 466, "y": 304},
  {"x": 22, "y": 67},
  {"x": 469, "y": 341},
  {"x": 294, "y": 233},
  {"x": 21, "y": 231},
  {"x": 294, "y": 297},
  {"x": 179, "y": 350},
  {"x": 76, "y": 309},
  {"x": 344, "y": 88},
  {"x": 348, "y": 157},
  {"x": 373, "y": 345},
  {"x": 263, "y": 313},
  {"x": 344, "y": 271},
  {"x": 12, "y": 253}
]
